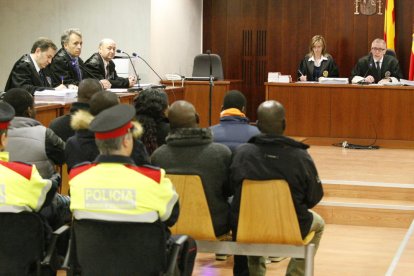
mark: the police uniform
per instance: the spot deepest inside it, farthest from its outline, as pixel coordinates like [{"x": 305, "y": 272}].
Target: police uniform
[
  {"x": 113, "y": 188},
  {"x": 21, "y": 186}
]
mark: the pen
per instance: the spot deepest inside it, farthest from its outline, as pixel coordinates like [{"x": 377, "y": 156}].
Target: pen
[{"x": 300, "y": 72}]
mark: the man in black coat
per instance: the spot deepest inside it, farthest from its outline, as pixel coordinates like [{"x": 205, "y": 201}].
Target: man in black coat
[
  {"x": 271, "y": 155},
  {"x": 377, "y": 67},
  {"x": 30, "y": 72},
  {"x": 100, "y": 66},
  {"x": 67, "y": 66}
]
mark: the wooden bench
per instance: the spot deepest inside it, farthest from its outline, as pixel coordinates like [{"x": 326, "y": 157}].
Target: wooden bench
[{"x": 268, "y": 225}]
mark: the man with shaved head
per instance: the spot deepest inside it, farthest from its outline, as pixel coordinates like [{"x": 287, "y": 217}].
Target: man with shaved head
[
  {"x": 271, "y": 155},
  {"x": 189, "y": 149},
  {"x": 101, "y": 66}
]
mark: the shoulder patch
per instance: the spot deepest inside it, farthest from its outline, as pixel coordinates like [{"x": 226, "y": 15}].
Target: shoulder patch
[
  {"x": 80, "y": 168},
  {"x": 21, "y": 168},
  {"x": 149, "y": 171}
]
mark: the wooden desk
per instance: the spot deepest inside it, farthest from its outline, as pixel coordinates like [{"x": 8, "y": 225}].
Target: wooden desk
[
  {"x": 346, "y": 111},
  {"x": 48, "y": 108},
  {"x": 197, "y": 93}
]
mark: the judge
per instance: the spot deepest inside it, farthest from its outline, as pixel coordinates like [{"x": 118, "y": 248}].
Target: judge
[{"x": 377, "y": 67}]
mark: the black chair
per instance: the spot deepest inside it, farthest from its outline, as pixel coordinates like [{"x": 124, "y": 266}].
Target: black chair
[
  {"x": 201, "y": 67},
  {"x": 23, "y": 247},
  {"x": 390, "y": 52},
  {"x": 120, "y": 248}
]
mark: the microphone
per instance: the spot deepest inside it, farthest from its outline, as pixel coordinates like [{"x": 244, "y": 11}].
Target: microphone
[
  {"x": 87, "y": 71},
  {"x": 387, "y": 74},
  {"x": 157, "y": 86},
  {"x": 130, "y": 60},
  {"x": 363, "y": 81},
  {"x": 208, "y": 52}
]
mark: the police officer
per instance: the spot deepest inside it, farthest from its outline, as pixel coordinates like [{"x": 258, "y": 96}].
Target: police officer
[
  {"x": 21, "y": 186},
  {"x": 113, "y": 188}
]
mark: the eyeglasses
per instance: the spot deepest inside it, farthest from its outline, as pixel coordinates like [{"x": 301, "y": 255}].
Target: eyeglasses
[{"x": 377, "y": 49}]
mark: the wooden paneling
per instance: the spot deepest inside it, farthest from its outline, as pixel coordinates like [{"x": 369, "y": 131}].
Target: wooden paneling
[
  {"x": 287, "y": 26},
  {"x": 348, "y": 111}
]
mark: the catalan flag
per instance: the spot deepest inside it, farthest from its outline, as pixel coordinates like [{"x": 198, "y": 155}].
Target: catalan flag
[
  {"x": 411, "y": 72},
  {"x": 389, "y": 24}
]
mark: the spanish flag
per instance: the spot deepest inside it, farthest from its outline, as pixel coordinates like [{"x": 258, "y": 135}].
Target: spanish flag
[
  {"x": 411, "y": 73},
  {"x": 389, "y": 24}
]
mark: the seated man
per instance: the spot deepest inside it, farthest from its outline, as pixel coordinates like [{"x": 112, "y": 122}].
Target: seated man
[
  {"x": 270, "y": 155},
  {"x": 66, "y": 66},
  {"x": 101, "y": 66},
  {"x": 29, "y": 71},
  {"x": 61, "y": 125},
  {"x": 82, "y": 147},
  {"x": 189, "y": 149},
  {"x": 29, "y": 140},
  {"x": 234, "y": 128},
  {"x": 154, "y": 197},
  {"x": 30, "y": 192},
  {"x": 377, "y": 67}
]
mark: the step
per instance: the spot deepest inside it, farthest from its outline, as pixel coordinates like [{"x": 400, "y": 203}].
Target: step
[
  {"x": 369, "y": 190},
  {"x": 366, "y": 211}
]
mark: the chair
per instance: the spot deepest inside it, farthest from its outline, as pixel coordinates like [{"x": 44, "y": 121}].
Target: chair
[
  {"x": 278, "y": 235},
  {"x": 120, "y": 248},
  {"x": 391, "y": 52},
  {"x": 22, "y": 245},
  {"x": 201, "y": 67},
  {"x": 195, "y": 219}
]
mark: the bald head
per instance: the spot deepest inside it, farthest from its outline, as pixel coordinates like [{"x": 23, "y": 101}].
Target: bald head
[
  {"x": 182, "y": 114},
  {"x": 107, "y": 49},
  {"x": 87, "y": 88},
  {"x": 271, "y": 118}
]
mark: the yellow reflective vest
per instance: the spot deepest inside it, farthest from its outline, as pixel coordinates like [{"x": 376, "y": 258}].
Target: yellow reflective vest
[
  {"x": 21, "y": 186},
  {"x": 121, "y": 192}
]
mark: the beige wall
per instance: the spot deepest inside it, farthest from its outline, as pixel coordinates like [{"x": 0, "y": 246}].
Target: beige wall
[{"x": 151, "y": 28}]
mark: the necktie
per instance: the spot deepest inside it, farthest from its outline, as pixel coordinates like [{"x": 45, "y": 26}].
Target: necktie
[
  {"x": 378, "y": 70},
  {"x": 107, "y": 72},
  {"x": 43, "y": 78},
  {"x": 75, "y": 64}
]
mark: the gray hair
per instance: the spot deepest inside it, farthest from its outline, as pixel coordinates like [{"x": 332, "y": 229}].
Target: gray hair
[
  {"x": 66, "y": 34},
  {"x": 108, "y": 146}
]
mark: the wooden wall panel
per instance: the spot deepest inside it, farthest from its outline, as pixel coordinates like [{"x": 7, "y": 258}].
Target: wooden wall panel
[{"x": 287, "y": 26}]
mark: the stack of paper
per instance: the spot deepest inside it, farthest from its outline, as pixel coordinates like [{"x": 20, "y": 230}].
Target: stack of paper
[
  {"x": 333, "y": 80},
  {"x": 65, "y": 93}
]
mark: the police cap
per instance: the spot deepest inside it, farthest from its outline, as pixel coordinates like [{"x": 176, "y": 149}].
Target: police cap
[
  {"x": 113, "y": 122},
  {"x": 6, "y": 114}
]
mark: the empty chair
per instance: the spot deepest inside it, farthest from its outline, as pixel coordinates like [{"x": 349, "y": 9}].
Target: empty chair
[
  {"x": 23, "y": 246},
  {"x": 120, "y": 248},
  {"x": 201, "y": 67}
]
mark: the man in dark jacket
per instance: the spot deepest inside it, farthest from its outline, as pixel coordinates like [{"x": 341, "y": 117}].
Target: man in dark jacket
[
  {"x": 67, "y": 66},
  {"x": 61, "y": 125},
  {"x": 270, "y": 155},
  {"x": 189, "y": 149},
  {"x": 100, "y": 66},
  {"x": 29, "y": 71}
]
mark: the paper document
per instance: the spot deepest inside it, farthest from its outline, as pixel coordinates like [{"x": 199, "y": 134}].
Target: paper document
[
  {"x": 406, "y": 82},
  {"x": 333, "y": 80},
  {"x": 67, "y": 93}
]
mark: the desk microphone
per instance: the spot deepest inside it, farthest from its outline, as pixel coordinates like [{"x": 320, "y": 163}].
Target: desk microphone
[
  {"x": 89, "y": 72},
  {"x": 130, "y": 60},
  {"x": 363, "y": 81},
  {"x": 158, "y": 86}
]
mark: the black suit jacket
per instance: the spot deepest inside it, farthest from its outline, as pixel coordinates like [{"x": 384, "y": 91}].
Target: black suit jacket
[
  {"x": 366, "y": 67},
  {"x": 95, "y": 69},
  {"x": 61, "y": 67},
  {"x": 307, "y": 68},
  {"x": 24, "y": 75}
]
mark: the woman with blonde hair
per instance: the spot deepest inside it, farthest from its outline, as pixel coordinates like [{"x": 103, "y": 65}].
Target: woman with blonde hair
[{"x": 317, "y": 63}]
